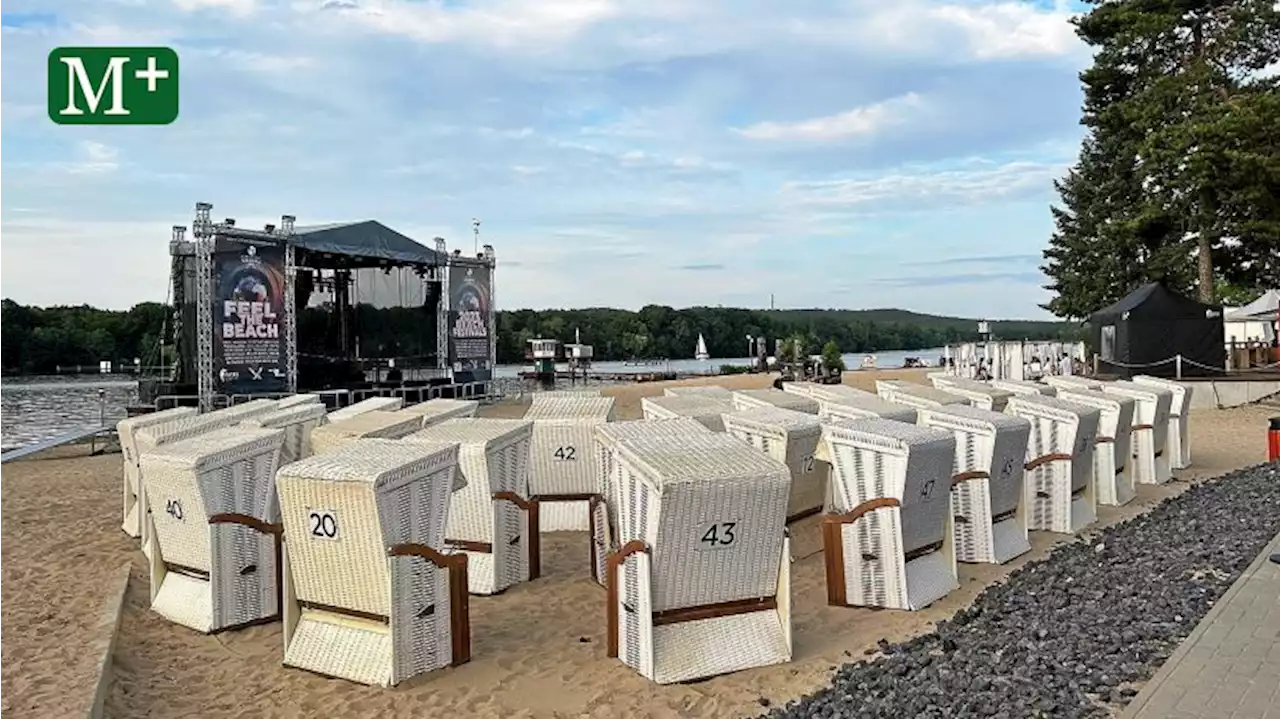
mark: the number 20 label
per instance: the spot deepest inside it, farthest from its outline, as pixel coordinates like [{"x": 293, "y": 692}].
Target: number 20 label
[{"x": 323, "y": 524}]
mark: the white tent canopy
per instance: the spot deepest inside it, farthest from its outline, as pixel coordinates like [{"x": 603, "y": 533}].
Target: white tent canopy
[{"x": 1254, "y": 321}]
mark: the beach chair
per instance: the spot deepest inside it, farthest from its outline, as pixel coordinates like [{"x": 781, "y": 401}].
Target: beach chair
[
  {"x": 988, "y": 515},
  {"x": 1178, "y": 441},
  {"x": 826, "y": 392},
  {"x": 888, "y": 539},
  {"x": 701, "y": 584},
  {"x": 126, "y": 430},
  {"x": 604, "y": 514},
  {"x": 790, "y": 437},
  {"x": 1058, "y": 489},
  {"x": 916, "y": 395},
  {"x": 1024, "y": 387},
  {"x": 1111, "y": 463},
  {"x": 494, "y": 519},
  {"x": 373, "y": 404},
  {"x": 371, "y": 594},
  {"x": 1148, "y": 444},
  {"x": 1071, "y": 381},
  {"x": 562, "y": 476},
  {"x": 710, "y": 391},
  {"x": 294, "y": 400},
  {"x": 706, "y": 410},
  {"x": 980, "y": 394},
  {"x": 770, "y": 397},
  {"x": 215, "y": 534},
  {"x": 867, "y": 406},
  {"x": 374, "y": 424},
  {"x": 297, "y": 421},
  {"x": 435, "y": 411}
]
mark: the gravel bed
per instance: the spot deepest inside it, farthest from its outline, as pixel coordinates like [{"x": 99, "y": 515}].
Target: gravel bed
[{"x": 1068, "y": 636}]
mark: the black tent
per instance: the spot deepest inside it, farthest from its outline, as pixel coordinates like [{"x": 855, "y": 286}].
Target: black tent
[{"x": 1154, "y": 324}]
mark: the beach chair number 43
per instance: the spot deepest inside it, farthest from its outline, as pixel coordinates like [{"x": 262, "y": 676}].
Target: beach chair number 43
[
  {"x": 173, "y": 508},
  {"x": 566, "y": 454},
  {"x": 324, "y": 525},
  {"x": 719, "y": 535}
]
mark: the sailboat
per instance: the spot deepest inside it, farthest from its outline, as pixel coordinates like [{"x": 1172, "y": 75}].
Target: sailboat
[{"x": 701, "y": 354}]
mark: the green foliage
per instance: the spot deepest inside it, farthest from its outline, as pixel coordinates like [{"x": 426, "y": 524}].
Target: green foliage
[
  {"x": 735, "y": 369},
  {"x": 831, "y": 358}
]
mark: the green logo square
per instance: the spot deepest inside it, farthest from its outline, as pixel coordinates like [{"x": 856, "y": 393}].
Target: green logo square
[{"x": 113, "y": 85}]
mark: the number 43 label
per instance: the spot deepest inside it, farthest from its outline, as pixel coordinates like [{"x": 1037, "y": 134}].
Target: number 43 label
[{"x": 720, "y": 535}]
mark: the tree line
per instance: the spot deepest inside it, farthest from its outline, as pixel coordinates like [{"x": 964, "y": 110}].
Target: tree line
[
  {"x": 1178, "y": 178},
  {"x": 38, "y": 340}
]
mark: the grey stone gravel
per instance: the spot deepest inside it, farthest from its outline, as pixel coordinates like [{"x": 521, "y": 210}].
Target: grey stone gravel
[{"x": 1068, "y": 635}]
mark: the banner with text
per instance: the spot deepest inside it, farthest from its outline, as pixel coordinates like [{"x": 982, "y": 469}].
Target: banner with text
[
  {"x": 470, "y": 296},
  {"x": 248, "y": 317}
]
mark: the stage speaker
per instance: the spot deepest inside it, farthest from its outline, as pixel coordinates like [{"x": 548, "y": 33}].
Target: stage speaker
[
  {"x": 304, "y": 284},
  {"x": 435, "y": 289}
]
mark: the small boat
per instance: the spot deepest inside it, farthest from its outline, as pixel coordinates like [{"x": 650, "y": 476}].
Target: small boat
[
  {"x": 701, "y": 353},
  {"x": 869, "y": 362}
]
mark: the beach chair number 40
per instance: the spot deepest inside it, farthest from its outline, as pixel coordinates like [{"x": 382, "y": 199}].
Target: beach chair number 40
[
  {"x": 324, "y": 525},
  {"x": 719, "y": 535},
  {"x": 173, "y": 508},
  {"x": 566, "y": 454}
]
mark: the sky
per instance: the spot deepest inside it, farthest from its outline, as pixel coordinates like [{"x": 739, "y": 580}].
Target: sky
[{"x": 830, "y": 153}]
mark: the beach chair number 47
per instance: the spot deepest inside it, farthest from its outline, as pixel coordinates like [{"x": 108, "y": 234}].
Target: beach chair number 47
[
  {"x": 719, "y": 535},
  {"x": 566, "y": 454}
]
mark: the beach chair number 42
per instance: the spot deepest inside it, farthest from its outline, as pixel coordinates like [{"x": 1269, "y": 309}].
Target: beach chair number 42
[
  {"x": 719, "y": 535},
  {"x": 808, "y": 463},
  {"x": 324, "y": 525},
  {"x": 173, "y": 508},
  {"x": 566, "y": 454}
]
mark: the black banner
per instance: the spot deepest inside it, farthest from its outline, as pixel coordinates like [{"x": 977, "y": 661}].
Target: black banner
[
  {"x": 248, "y": 319},
  {"x": 469, "y": 305}
]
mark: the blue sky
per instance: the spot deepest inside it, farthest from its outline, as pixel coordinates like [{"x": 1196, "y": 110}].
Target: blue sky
[{"x": 853, "y": 153}]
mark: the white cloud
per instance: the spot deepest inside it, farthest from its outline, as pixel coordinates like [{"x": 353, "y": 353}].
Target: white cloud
[
  {"x": 96, "y": 159},
  {"x": 978, "y": 182},
  {"x": 235, "y": 7},
  {"x": 864, "y": 121}
]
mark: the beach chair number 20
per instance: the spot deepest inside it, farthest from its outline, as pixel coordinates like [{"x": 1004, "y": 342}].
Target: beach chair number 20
[
  {"x": 719, "y": 535},
  {"x": 566, "y": 454},
  {"x": 324, "y": 525}
]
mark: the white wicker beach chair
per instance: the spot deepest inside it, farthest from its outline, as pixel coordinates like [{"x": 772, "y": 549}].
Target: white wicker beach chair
[
  {"x": 371, "y": 593},
  {"x": 1148, "y": 444},
  {"x": 297, "y": 421},
  {"x": 770, "y": 397},
  {"x": 917, "y": 395},
  {"x": 1178, "y": 443},
  {"x": 215, "y": 534},
  {"x": 988, "y": 516},
  {"x": 1024, "y": 387},
  {"x": 562, "y": 476},
  {"x": 435, "y": 411},
  {"x": 704, "y": 409},
  {"x": 826, "y": 392},
  {"x": 1059, "y": 491},
  {"x": 604, "y": 515},
  {"x": 1071, "y": 381},
  {"x": 126, "y": 429},
  {"x": 701, "y": 583},
  {"x": 980, "y": 394},
  {"x": 870, "y": 406},
  {"x": 373, "y": 404},
  {"x": 294, "y": 400},
  {"x": 494, "y": 520},
  {"x": 791, "y": 438},
  {"x": 711, "y": 391},
  {"x": 888, "y": 540},
  {"x": 374, "y": 424},
  {"x": 1112, "y": 467}
]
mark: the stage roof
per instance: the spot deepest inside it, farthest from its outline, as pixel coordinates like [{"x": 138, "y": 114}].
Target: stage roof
[{"x": 368, "y": 239}]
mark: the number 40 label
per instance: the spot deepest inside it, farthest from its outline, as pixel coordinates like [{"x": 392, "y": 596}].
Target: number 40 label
[{"x": 721, "y": 535}]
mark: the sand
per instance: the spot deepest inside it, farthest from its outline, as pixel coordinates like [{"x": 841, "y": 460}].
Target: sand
[{"x": 538, "y": 649}]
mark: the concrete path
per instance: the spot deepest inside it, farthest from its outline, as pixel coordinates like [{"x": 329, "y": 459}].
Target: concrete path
[{"x": 1229, "y": 667}]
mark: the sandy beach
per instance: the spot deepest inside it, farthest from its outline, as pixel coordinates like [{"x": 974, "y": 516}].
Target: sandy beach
[{"x": 538, "y": 649}]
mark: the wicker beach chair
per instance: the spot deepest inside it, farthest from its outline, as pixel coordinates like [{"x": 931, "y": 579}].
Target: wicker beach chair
[
  {"x": 1112, "y": 468},
  {"x": 770, "y": 397},
  {"x": 1148, "y": 445},
  {"x": 297, "y": 421},
  {"x": 849, "y": 409},
  {"x": 562, "y": 475},
  {"x": 701, "y": 583},
  {"x": 215, "y": 534},
  {"x": 604, "y": 515},
  {"x": 988, "y": 515},
  {"x": 435, "y": 411},
  {"x": 706, "y": 410},
  {"x": 917, "y": 395},
  {"x": 494, "y": 520},
  {"x": 1058, "y": 489},
  {"x": 374, "y": 424},
  {"x": 1024, "y": 387},
  {"x": 1071, "y": 381},
  {"x": 791, "y": 438},
  {"x": 888, "y": 539},
  {"x": 294, "y": 400},
  {"x": 126, "y": 429},
  {"x": 710, "y": 391},
  {"x": 373, "y": 404},
  {"x": 1178, "y": 443},
  {"x": 826, "y": 392},
  {"x": 371, "y": 594},
  {"x": 980, "y": 394}
]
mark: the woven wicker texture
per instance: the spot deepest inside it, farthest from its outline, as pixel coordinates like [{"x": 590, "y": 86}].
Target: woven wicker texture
[
  {"x": 1060, "y": 495},
  {"x": 297, "y": 422},
  {"x": 295, "y": 400},
  {"x": 711, "y": 391},
  {"x": 1112, "y": 473},
  {"x": 343, "y": 510},
  {"x": 1148, "y": 447},
  {"x": 373, "y": 404},
  {"x": 338, "y": 646},
  {"x": 1070, "y": 381},
  {"x": 770, "y": 397},
  {"x": 712, "y": 508},
  {"x": 374, "y": 424},
  {"x": 125, "y": 430},
  {"x": 826, "y": 392},
  {"x": 434, "y": 411},
  {"x": 791, "y": 438},
  {"x": 867, "y": 406},
  {"x": 916, "y": 395},
  {"x": 995, "y": 445},
  {"x": 1024, "y": 387},
  {"x": 706, "y": 410},
  {"x": 980, "y": 394},
  {"x": 494, "y": 457},
  {"x": 563, "y": 431},
  {"x": 1179, "y": 439}
]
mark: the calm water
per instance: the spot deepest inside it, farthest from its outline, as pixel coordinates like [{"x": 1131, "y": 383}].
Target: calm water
[{"x": 36, "y": 408}]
